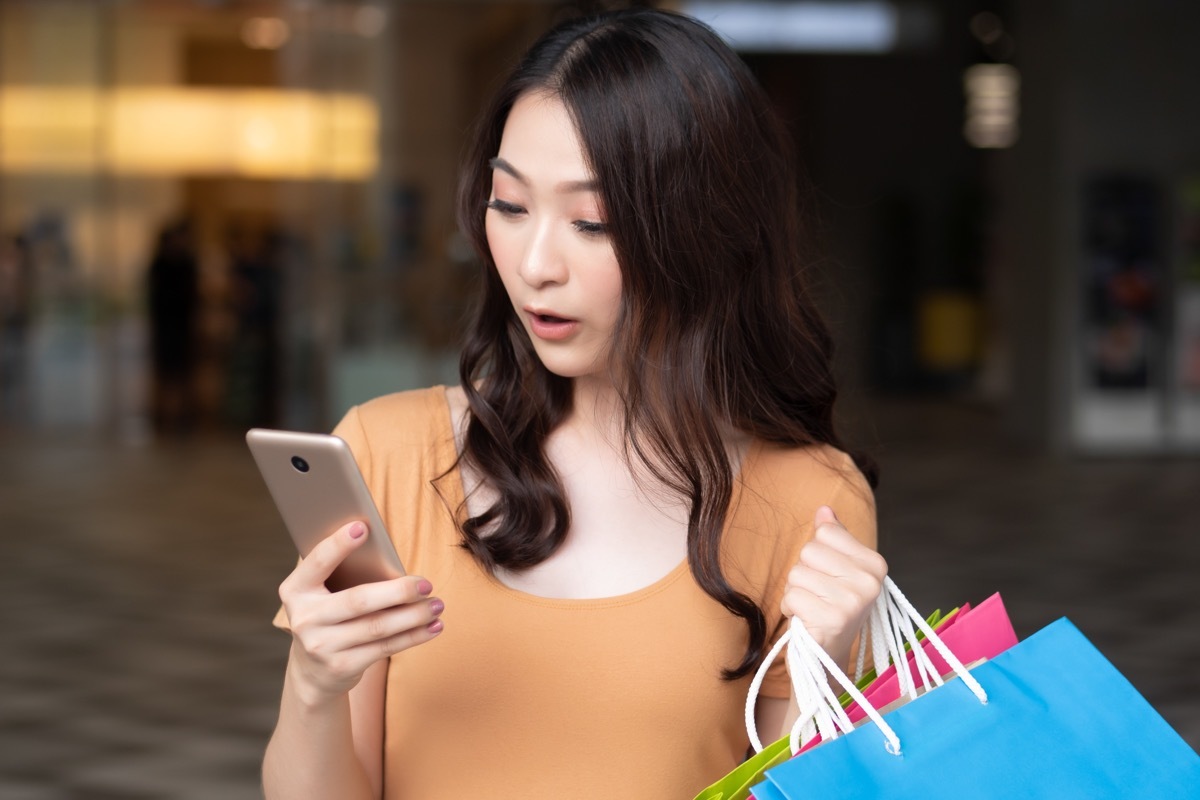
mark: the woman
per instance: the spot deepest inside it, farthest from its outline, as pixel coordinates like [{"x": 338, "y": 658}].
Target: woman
[{"x": 634, "y": 486}]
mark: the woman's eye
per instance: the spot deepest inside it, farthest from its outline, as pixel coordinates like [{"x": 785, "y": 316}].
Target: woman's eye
[
  {"x": 590, "y": 228},
  {"x": 507, "y": 209}
]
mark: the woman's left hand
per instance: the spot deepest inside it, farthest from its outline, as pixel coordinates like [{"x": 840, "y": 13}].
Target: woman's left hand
[{"x": 833, "y": 586}]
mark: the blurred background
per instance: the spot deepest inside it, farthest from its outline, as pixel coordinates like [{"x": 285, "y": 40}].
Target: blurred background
[{"x": 216, "y": 214}]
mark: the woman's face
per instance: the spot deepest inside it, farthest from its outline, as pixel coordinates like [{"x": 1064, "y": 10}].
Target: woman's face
[{"x": 547, "y": 233}]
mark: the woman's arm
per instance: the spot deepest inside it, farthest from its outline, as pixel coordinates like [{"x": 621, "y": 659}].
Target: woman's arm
[
  {"x": 330, "y": 749},
  {"x": 328, "y": 741}
]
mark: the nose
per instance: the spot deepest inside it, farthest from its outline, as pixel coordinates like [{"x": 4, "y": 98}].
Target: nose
[{"x": 543, "y": 263}]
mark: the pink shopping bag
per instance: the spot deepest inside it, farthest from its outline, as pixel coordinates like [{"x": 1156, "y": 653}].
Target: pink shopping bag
[
  {"x": 982, "y": 632},
  {"x": 973, "y": 634}
]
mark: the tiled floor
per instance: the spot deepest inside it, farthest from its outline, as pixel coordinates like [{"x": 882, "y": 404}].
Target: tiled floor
[{"x": 136, "y": 586}]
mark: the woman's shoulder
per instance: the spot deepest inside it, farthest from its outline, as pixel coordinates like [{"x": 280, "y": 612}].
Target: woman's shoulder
[
  {"x": 784, "y": 485},
  {"x": 802, "y": 472},
  {"x": 402, "y": 409},
  {"x": 417, "y": 417},
  {"x": 810, "y": 460}
]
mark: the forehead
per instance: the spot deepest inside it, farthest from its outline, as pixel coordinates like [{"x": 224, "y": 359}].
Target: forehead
[{"x": 540, "y": 139}]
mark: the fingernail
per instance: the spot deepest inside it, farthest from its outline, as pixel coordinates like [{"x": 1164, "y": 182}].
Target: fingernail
[
  {"x": 436, "y": 606},
  {"x": 435, "y": 626},
  {"x": 357, "y": 530},
  {"x": 424, "y": 587}
]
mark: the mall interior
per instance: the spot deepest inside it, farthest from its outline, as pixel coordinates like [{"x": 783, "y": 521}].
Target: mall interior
[{"x": 222, "y": 214}]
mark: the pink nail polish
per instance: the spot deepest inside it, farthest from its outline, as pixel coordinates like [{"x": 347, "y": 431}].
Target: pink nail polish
[
  {"x": 435, "y": 626},
  {"x": 436, "y": 606},
  {"x": 357, "y": 530},
  {"x": 424, "y": 587}
]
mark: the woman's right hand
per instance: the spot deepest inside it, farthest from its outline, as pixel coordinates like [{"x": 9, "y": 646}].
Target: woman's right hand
[{"x": 336, "y": 636}]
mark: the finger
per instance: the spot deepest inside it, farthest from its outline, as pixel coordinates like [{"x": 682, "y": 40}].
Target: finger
[
  {"x": 834, "y": 628},
  {"x": 327, "y": 556},
  {"x": 795, "y": 600},
  {"x": 833, "y": 576},
  {"x": 401, "y": 642},
  {"x": 807, "y": 583},
  {"x": 826, "y": 558},
  {"x": 370, "y": 598},
  {"x": 836, "y": 537},
  {"x": 390, "y": 646},
  {"x": 372, "y": 627},
  {"x": 826, "y": 525},
  {"x": 384, "y": 625},
  {"x": 357, "y": 659},
  {"x": 831, "y": 568},
  {"x": 820, "y": 607}
]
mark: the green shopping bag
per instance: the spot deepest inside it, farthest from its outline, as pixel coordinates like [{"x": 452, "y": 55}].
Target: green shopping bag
[{"x": 737, "y": 784}]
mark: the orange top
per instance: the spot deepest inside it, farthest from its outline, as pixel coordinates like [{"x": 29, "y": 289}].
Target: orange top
[{"x": 530, "y": 697}]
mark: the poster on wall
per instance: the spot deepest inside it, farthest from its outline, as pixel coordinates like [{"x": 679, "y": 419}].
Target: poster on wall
[
  {"x": 1188, "y": 312},
  {"x": 1187, "y": 317},
  {"x": 1119, "y": 402},
  {"x": 1123, "y": 269}
]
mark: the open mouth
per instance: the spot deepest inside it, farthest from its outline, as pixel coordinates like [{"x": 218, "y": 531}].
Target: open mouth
[
  {"x": 551, "y": 327},
  {"x": 550, "y": 319}
]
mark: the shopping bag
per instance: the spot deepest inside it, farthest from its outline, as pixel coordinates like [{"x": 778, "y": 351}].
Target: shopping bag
[
  {"x": 736, "y": 785},
  {"x": 936, "y": 621},
  {"x": 1058, "y": 720},
  {"x": 972, "y": 634},
  {"x": 981, "y": 632},
  {"x": 890, "y": 636}
]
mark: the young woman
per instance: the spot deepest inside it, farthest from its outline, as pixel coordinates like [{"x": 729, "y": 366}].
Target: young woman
[{"x": 637, "y": 482}]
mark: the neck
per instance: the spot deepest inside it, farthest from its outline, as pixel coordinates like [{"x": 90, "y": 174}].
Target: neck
[
  {"x": 596, "y": 407},
  {"x": 598, "y": 411}
]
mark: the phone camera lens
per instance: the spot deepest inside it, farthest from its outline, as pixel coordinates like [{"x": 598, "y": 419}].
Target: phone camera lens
[{"x": 300, "y": 464}]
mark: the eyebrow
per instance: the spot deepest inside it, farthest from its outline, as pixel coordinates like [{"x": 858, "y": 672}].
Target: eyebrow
[{"x": 566, "y": 187}]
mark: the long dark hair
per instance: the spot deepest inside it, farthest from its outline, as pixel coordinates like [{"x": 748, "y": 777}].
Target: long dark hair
[{"x": 717, "y": 329}]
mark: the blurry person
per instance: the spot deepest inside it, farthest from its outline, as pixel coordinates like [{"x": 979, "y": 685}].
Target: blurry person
[
  {"x": 173, "y": 298},
  {"x": 638, "y": 481},
  {"x": 16, "y": 301},
  {"x": 252, "y": 394}
]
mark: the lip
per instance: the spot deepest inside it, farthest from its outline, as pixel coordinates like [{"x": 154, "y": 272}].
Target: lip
[{"x": 551, "y": 330}]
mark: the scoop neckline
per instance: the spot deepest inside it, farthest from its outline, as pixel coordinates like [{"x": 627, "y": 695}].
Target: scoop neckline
[{"x": 450, "y": 442}]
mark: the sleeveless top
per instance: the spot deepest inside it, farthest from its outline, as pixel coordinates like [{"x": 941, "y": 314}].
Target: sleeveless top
[{"x": 533, "y": 697}]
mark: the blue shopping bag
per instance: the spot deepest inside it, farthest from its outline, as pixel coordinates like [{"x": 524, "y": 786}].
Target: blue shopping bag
[{"x": 1059, "y": 722}]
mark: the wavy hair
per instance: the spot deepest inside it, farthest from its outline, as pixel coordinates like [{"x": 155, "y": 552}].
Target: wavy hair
[{"x": 717, "y": 328}]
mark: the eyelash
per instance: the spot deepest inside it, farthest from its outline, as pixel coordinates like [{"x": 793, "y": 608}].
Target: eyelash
[
  {"x": 590, "y": 228},
  {"x": 507, "y": 209},
  {"x": 583, "y": 226}
]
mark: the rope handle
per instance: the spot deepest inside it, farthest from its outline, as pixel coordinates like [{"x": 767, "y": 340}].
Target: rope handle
[{"x": 890, "y": 627}]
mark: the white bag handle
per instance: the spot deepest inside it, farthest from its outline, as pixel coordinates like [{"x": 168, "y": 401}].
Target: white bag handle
[{"x": 890, "y": 627}]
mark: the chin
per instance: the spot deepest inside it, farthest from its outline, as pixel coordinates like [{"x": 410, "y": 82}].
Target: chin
[
  {"x": 579, "y": 367},
  {"x": 571, "y": 371}
]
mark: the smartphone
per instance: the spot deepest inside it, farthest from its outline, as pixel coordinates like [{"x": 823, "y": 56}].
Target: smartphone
[{"x": 317, "y": 487}]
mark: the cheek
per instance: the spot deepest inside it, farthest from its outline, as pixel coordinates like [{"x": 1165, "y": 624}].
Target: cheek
[{"x": 607, "y": 287}]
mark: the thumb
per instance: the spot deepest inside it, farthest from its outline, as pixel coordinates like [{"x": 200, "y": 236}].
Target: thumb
[
  {"x": 825, "y": 515},
  {"x": 328, "y": 555}
]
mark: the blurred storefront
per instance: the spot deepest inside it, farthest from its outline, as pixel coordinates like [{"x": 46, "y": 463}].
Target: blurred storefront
[
  {"x": 120, "y": 120},
  {"x": 288, "y": 166},
  {"x": 1006, "y": 196}
]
